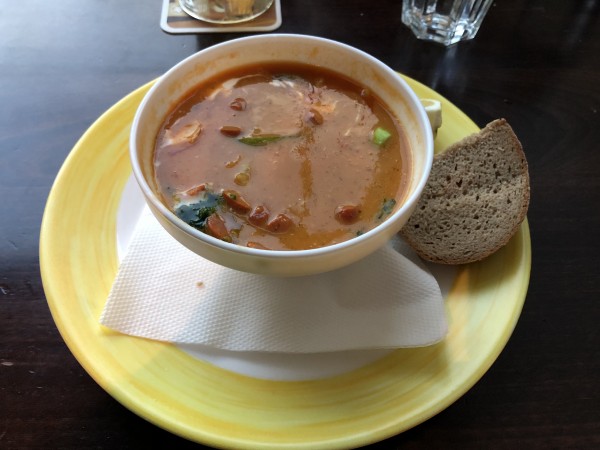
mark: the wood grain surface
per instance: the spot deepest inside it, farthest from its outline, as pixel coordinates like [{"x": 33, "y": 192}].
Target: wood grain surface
[{"x": 535, "y": 63}]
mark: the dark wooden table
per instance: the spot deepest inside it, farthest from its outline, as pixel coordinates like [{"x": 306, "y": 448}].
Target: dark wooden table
[{"x": 536, "y": 63}]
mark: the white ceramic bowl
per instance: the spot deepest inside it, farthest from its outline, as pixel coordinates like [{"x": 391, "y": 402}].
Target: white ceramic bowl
[{"x": 341, "y": 58}]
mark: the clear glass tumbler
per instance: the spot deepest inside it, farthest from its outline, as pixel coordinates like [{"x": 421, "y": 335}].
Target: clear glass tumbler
[
  {"x": 444, "y": 21},
  {"x": 225, "y": 11}
]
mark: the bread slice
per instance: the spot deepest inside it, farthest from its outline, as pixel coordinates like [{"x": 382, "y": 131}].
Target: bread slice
[{"x": 475, "y": 199}]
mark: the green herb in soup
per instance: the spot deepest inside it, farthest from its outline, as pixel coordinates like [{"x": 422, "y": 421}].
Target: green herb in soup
[
  {"x": 195, "y": 214},
  {"x": 282, "y": 157},
  {"x": 386, "y": 208},
  {"x": 259, "y": 140}
]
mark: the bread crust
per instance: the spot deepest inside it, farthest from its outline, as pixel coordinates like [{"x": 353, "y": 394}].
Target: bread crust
[{"x": 475, "y": 200}]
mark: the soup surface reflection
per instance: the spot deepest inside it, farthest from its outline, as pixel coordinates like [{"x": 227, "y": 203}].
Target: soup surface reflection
[{"x": 281, "y": 157}]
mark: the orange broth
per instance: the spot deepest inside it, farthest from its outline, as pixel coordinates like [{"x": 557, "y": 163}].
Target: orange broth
[{"x": 281, "y": 156}]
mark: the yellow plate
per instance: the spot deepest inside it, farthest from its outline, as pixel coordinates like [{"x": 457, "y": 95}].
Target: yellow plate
[{"x": 204, "y": 403}]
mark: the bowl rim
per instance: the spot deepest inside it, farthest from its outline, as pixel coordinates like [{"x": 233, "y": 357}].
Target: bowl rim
[{"x": 415, "y": 106}]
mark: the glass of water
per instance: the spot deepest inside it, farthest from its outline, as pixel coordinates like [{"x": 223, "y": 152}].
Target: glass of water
[{"x": 444, "y": 21}]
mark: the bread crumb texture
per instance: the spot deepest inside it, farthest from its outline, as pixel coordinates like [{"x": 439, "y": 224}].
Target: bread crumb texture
[{"x": 475, "y": 199}]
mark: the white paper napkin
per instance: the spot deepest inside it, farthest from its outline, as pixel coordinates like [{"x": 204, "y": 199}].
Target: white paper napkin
[{"x": 165, "y": 292}]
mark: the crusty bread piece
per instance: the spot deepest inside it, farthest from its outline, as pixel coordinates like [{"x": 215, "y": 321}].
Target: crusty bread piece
[{"x": 475, "y": 199}]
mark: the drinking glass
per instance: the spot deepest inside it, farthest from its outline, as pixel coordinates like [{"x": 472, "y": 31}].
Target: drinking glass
[{"x": 444, "y": 21}]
